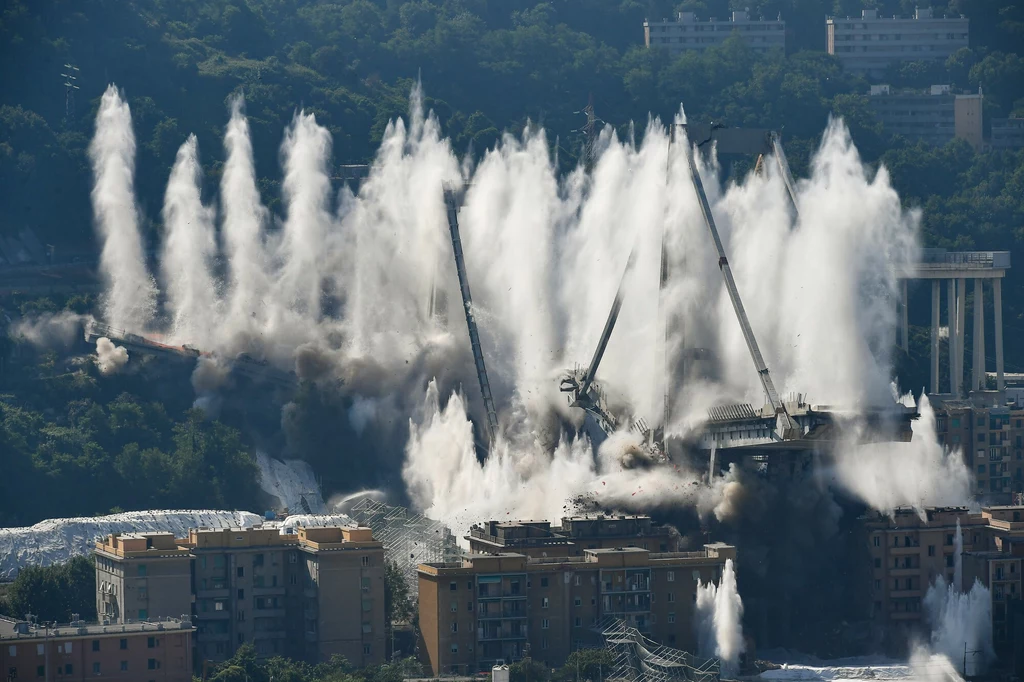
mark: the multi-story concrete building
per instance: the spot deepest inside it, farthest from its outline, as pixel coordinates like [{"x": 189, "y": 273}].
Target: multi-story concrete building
[
  {"x": 487, "y": 608},
  {"x": 307, "y": 595},
  {"x": 687, "y": 33},
  {"x": 908, "y": 553},
  {"x": 142, "y": 576},
  {"x": 1007, "y": 133},
  {"x": 134, "y": 652},
  {"x": 576, "y": 534},
  {"x": 991, "y": 441},
  {"x": 870, "y": 44},
  {"x": 935, "y": 116}
]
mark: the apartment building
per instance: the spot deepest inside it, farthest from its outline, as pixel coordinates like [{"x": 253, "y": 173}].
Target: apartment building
[
  {"x": 306, "y": 595},
  {"x": 133, "y": 652},
  {"x": 870, "y": 44},
  {"x": 489, "y": 607},
  {"x": 908, "y": 553},
  {"x": 991, "y": 441},
  {"x": 935, "y": 116},
  {"x": 572, "y": 537},
  {"x": 686, "y": 32},
  {"x": 1007, "y": 133},
  {"x": 141, "y": 577}
]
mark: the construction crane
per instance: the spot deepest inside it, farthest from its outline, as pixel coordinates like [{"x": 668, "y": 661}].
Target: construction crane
[
  {"x": 451, "y": 201},
  {"x": 785, "y": 426}
]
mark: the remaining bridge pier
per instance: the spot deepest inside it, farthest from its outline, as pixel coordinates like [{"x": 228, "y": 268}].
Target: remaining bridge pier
[{"x": 956, "y": 268}]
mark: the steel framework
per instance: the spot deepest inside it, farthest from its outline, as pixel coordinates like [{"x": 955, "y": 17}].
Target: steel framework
[{"x": 639, "y": 659}]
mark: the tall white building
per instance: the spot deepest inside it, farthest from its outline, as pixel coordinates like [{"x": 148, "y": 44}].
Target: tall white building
[
  {"x": 871, "y": 43},
  {"x": 687, "y": 33}
]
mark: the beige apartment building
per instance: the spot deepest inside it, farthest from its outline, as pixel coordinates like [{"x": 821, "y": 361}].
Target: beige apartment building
[
  {"x": 908, "y": 553},
  {"x": 991, "y": 441},
  {"x": 576, "y": 534},
  {"x": 135, "y": 652},
  {"x": 489, "y": 607},
  {"x": 307, "y": 595},
  {"x": 686, "y": 32},
  {"x": 869, "y": 44}
]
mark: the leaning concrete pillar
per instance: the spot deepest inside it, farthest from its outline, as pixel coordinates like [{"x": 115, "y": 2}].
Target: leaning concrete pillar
[
  {"x": 935, "y": 337},
  {"x": 904, "y": 328},
  {"x": 978, "y": 378},
  {"x": 961, "y": 312},
  {"x": 997, "y": 304},
  {"x": 951, "y": 335}
]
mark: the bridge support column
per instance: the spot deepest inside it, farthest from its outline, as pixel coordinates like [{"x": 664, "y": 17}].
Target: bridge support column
[
  {"x": 978, "y": 375},
  {"x": 951, "y": 335},
  {"x": 935, "y": 337},
  {"x": 904, "y": 328},
  {"x": 961, "y": 312},
  {"x": 997, "y": 304}
]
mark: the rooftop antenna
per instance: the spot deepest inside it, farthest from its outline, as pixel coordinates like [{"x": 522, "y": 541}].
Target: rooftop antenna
[{"x": 70, "y": 76}]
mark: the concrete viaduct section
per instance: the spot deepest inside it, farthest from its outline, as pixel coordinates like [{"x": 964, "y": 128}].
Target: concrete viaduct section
[{"x": 956, "y": 268}]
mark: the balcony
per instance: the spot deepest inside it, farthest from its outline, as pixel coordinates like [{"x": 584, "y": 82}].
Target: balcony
[
  {"x": 269, "y": 634},
  {"x": 213, "y": 636},
  {"x": 268, "y": 613},
  {"x": 498, "y": 635},
  {"x": 912, "y": 549},
  {"x": 904, "y": 572},
  {"x": 219, "y": 593},
  {"x": 506, "y": 612},
  {"x": 268, "y": 591},
  {"x": 897, "y": 594},
  {"x": 214, "y": 615}
]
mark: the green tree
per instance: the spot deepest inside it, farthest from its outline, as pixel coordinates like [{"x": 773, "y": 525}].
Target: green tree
[{"x": 54, "y": 593}]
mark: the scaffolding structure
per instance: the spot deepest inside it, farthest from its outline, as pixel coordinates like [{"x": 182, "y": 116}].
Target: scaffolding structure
[
  {"x": 639, "y": 659},
  {"x": 409, "y": 538}
]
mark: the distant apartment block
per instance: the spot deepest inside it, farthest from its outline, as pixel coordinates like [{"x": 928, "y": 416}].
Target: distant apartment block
[
  {"x": 306, "y": 595},
  {"x": 908, "y": 553},
  {"x": 935, "y": 116},
  {"x": 136, "y": 652},
  {"x": 686, "y": 32},
  {"x": 870, "y": 44},
  {"x": 576, "y": 534},
  {"x": 489, "y": 607},
  {"x": 991, "y": 441},
  {"x": 1007, "y": 133}
]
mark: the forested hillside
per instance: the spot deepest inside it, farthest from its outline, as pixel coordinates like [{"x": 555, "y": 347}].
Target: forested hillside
[{"x": 487, "y": 66}]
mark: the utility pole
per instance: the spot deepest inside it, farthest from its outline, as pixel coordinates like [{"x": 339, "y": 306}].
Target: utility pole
[{"x": 70, "y": 75}]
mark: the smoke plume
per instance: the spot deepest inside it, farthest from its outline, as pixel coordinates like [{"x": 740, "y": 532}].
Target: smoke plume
[{"x": 110, "y": 358}]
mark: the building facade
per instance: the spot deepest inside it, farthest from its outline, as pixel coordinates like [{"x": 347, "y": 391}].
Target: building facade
[
  {"x": 908, "y": 553},
  {"x": 991, "y": 441},
  {"x": 307, "y": 595},
  {"x": 576, "y": 534},
  {"x": 870, "y": 44},
  {"x": 688, "y": 33},
  {"x": 488, "y": 608},
  {"x": 1007, "y": 133},
  {"x": 135, "y": 652},
  {"x": 935, "y": 116}
]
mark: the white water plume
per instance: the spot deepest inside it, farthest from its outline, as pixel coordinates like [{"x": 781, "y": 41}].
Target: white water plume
[
  {"x": 110, "y": 358},
  {"x": 189, "y": 247},
  {"x": 544, "y": 253},
  {"x": 130, "y": 296},
  {"x": 917, "y": 474},
  {"x": 718, "y": 621},
  {"x": 960, "y": 621}
]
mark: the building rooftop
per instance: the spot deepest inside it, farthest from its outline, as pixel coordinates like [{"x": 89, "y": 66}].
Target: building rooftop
[{"x": 23, "y": 630}]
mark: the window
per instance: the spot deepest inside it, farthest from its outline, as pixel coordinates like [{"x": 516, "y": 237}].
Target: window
[
  {"x": 469, "y": 585},
  {"x": 455, "y": 627},
  {"x": 241, "y": 594},
  {"x": 544, "y": 603},
  {"x": 96, "y": 668},
  {"x": 143, "y": 614},
  {"x": 217, "y": 606},
  {"x": 12, "y": 651},
  {"x": 153, "y": 664},
  {"x": 124, "y": 666},
  {"x": 365, "y": 561},
  {"x": 671, "y": 576},
  {"x": 257, "y": 560},
  {"x": 95, "y": 646},
  {"x": 124, "y": 643},
  {"x": 671, "y": 617},
  {"x": 949, "y": 539},
  {"x": 241, "y": 616},
  {"x": 292, "y": 559},
  {"x": 545, "y": 624},
  {"x": 577, "y": 622},
  {"x": 454, "y": 606},
  {"x": 453, "y": 587},
  {"x": 670, "y": 598},
  {"x": 576, "y": 580},
  {"x": 949, "y": 561},
  {"x": 878, "y": 584},
  {"x": 366, "y": 650},
  {"x": 142, "y": 570},
  {"x": 151, "y": 642},
  {"x": 544, "y": 582},
  {"x": 240, "y": 571},
  {"x": 876, "y": 542},
  {"x": 577, "y": 601},
  {"x": 956, "y": 422},
  {"x": 543, "y": 642},
  {"x": 455, "y": 648},
  {"x": 981, "y": 468}
]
